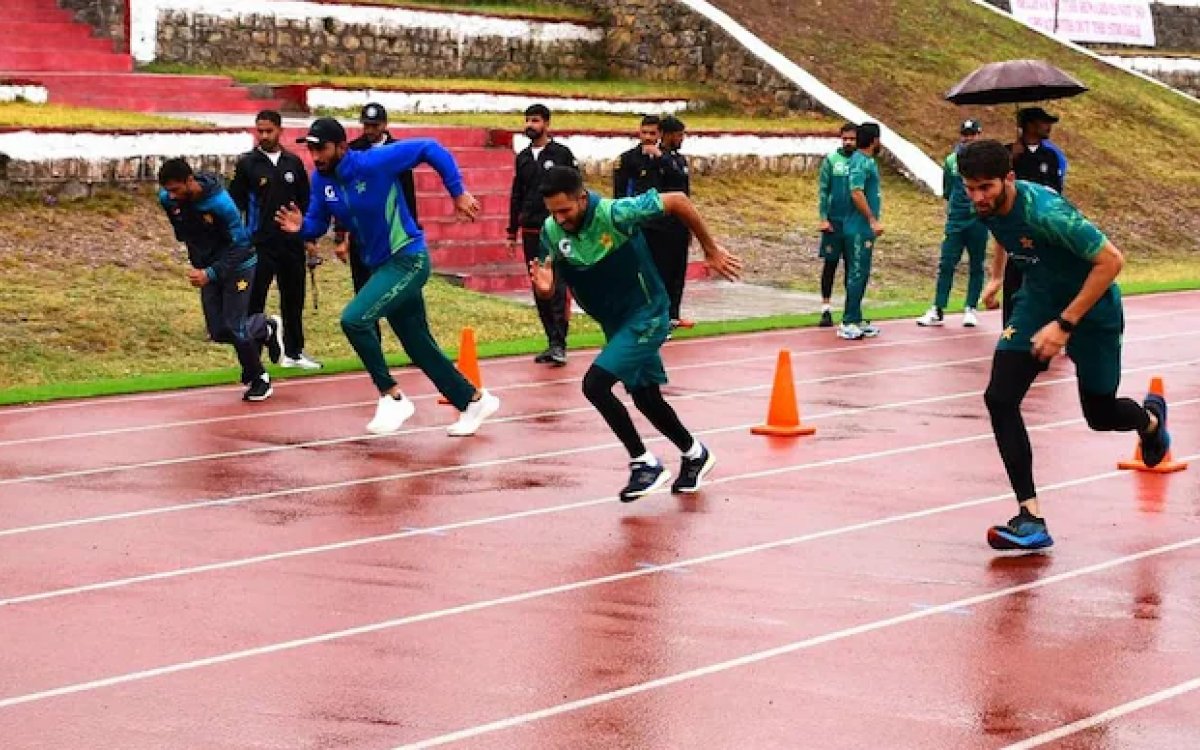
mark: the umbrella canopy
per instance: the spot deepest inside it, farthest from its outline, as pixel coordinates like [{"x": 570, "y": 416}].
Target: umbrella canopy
[{"x": 1014, "y": 82}]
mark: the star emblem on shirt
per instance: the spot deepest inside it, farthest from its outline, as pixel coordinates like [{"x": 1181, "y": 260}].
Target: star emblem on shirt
[
  {"x": 1008, "y": 333},
  {"x": 209, "y": 218},
  {"x": 242, "y": 285},
  {"x": 606, "y": 241},
  {"x": 361, "y": 187},
  {"x": 1026, "y": 243}
]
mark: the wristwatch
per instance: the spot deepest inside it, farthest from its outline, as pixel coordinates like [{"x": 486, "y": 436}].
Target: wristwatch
[{"x": 1065, "y": 324}]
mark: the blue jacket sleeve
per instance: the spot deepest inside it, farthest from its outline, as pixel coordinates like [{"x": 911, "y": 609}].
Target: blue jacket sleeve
[
  {"x": 402, "y": 156},
  {"x": 317, "y": 217},
  {"x": 227, "y": 213}
]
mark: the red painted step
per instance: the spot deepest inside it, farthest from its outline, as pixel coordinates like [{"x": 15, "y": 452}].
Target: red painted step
[
  {"x": 21, "y": 61},
  {"x": 468, "y": 254},
  {"x": 495, "y": 158},
  {"x": 480, "y": 230},
  {"x": 33, "y": 32},
  {"x": 492, "y": 277},
  {"x": 475, "y": 179},
  {"x": 64, "y": 42},
  {"x": 435, "y": 205},
  {"x": 71, "y": 82},
  {"x": 47, "y": 14}
]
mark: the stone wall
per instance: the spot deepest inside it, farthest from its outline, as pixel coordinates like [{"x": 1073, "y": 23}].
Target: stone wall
[
  {"x": 67, "y": 179},
  {"x": 332, "y": 47},
  {"x": 106, "y": 16},
  {"x": 664, "y": 40}
]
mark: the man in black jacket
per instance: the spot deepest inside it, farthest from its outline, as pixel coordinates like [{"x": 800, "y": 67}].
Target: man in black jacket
[
  {"x": 639, "y": 168},
  {"x": 374, "y": 119},
  {"x": 669, "y": 241},
  {"x": 266, "y": 179},
  {"x": 527, "y": 212}
]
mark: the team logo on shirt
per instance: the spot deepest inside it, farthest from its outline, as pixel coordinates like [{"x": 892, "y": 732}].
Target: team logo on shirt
[
  {"x": 242, "y": 285},
  {"x": 288, "y": 177},
  {"x": 549, "y": 164},
  {"x": 330, "y": 193},
  {"x": 208, "y": 218},
  {"x": 262, "y": 181},
  {"x": 1026, "y": 243},
  {"x": 564, "y": 247},
  {"x": 1008, "y": 333},
  {"x": 606, "y": 241},
  {"x": 361, "y": 187}
]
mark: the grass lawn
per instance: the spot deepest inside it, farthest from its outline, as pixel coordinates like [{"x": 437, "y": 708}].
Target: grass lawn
[{"x": 26, "y": 115}]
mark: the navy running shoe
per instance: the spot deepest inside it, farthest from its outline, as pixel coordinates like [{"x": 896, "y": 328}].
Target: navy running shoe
[
  {"x": 1023, "y": 531},
  {"x": 644, "y": 479},
  {"x": 1157, "y": 444}
]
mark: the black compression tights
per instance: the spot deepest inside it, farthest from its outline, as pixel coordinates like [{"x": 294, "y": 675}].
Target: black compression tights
[
  {"x": 598, "y": 385},
  {"x": 827, "y": 273},
  {"x": 1012, "y": 374}
]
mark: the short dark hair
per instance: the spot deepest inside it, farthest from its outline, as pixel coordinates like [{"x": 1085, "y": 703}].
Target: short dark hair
[
  {"x": 652, "y": 120},
  {"x": 558, "y": 180},
  {"x": 672, "y": 124},
  {"x": 985, "y": 160},
  {"x": 867, "y": 133},
  {"x": 174, "y": 170},
  {"x": 270, "y": 115},
  {"x": 848, "y": 127},
  {"x": 538, "y": 110}
]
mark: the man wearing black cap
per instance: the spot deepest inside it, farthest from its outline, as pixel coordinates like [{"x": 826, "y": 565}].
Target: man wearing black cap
[
  {"x": 374, "y": 120},
  {"x": 963, "y": 230},
  {"x": 526, "y": 214},
  {"x": 361, "y": 189},
  {"x": 265, "y": 179},
  {"x": 1035, "y": 160}
]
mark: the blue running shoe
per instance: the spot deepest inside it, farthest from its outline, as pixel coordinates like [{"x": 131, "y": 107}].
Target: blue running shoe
[
  {"x": 643, "y": 479},
  {"x": 1023, "y": 531},
  {"x": 1157, "y": 444}
]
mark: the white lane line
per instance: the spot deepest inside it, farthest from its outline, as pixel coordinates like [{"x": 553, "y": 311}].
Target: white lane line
[
  {"x": 239, "y": 499},
  {"x": 575, "y": 380},
  {"x": 518, "y": 359},
  {"x": 1113, "y": 713},
  {"x": 796, "y": 646},
  {"x": 376, "y": 627},
  {"x": 434, "y": 428},
  {"x": 488, "y": 520}
]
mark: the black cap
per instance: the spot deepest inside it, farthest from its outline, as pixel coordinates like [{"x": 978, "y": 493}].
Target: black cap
[
  {"x": 1034, "y": 114},
  {"x": 671, "y": 124},
  {"x": 373, "y": 114},
  {"x": 324, "y": 130},
  {"x": 970, "y": 127}
]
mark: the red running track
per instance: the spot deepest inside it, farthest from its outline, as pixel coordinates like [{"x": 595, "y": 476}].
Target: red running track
[{"x": 185, "y": 570}]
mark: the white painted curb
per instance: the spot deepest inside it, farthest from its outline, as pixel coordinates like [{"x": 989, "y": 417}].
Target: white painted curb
[
  {"x": 144, "y": 20},
  {"x": 28, "y": 145},
  {"x": 29, "y": 93}
]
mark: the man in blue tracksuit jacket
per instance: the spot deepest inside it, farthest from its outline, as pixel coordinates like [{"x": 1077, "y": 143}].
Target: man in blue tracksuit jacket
[
  {"x": 361, "y": 189},
  {"x": 223, "y": 260}
]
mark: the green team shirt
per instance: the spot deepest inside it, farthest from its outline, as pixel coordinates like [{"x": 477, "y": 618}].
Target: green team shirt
[
  {"x": 1054, "y": 245},
  {"x": 960, "y": 214},
  {"x": 864, "y": 176},
  {"x": 833, "y": 195},
  {"x": 606, "y": 263}
]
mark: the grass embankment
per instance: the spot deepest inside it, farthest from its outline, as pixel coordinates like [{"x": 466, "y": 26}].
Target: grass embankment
[{"x": 28, "y": 115}]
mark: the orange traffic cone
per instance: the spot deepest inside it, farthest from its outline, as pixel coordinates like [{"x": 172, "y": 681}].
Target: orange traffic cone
[
  {"x": 468, "y": 361},
  {"x": 1136, "y": 464},
  {"x": 783, "y": 416}
]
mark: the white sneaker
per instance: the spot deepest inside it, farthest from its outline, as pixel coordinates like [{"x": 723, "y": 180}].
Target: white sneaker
[
  {"x": 869, "y": 331},
  {"x": 477, "y": 411},
  {"x": 969, "y": 318},
  {"x": 932, "y": 317},
  {"x": 390, "y": 415},
  {"x": 849, "y": 331},
  {"x": 303, "y": 361}
]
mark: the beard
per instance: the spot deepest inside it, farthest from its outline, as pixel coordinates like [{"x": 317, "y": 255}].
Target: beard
[{"x": 533, "y": 134}]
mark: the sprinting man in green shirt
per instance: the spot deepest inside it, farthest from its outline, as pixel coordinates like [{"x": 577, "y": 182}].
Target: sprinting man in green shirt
[
  {"x": 861, "y": 229},
  {"x": 1068, "y": 303},
  {"x": 833, "y": 207},
  {"x": 963, "y": 230},
  {"x": 595, "y": 246}
]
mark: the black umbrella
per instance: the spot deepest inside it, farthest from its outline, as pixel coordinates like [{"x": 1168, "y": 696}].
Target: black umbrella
[{"x": 1014, "y": 82}]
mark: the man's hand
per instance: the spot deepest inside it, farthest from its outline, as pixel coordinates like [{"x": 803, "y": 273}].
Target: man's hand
[
  {"x": 197, "y": 277},
  {"x": 1048, "y": 342},
  {"x": 723, "y": 262},
  {"x": 876, "y": 228},
  {"x": 466, "y": 208},
  {"x": 541, "y": 275},
  {"x": 510, "y": 243},
  {"x": 653, "y": 151},
  {"x": 342, "y": 250},
  {"x": 990, "y": 292},
  {"x": 825, "y": 226},
  {"x": 289, "y": 218}
]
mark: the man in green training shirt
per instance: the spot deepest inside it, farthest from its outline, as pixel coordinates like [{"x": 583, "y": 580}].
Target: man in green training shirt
[
  {"x": 595, "y": 245},
  {"x": 1067, "y": 303},
  {"x": 833, "y": 207},
  {"x": 963, "y": 230},
  {"x": 862, "y": 228}
]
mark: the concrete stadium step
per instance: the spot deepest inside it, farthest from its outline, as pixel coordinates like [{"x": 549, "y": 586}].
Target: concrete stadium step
[
  {"x": 224, "y": 102},
  {"x": 43, "y": 13},
  {"x": 475, "y": 179},
  {"x": 133, "y": 83},
  {"x": 32, "y": 32},
  {"x": 447, "y": 229},
  {"x": 490, "y": 277},
  {"x": 468, "y": 254},
  {"x": 495, "y": 158},
  {"x": 65, "y": 43},
  {"x": 16, "y": 60},
  {"x": 434, "y": 205}
]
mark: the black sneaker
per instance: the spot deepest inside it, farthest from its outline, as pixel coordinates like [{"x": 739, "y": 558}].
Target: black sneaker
[
  {"x": 1157, "y": 444},
  {"x": 274, "y": 338},
  {"x": 826, "y": 319},
  {"x": 1023, "y": 531},
  {"x": 545, "y": 357},
  {"x": 643, "y": 479},
  {"x": 259, "y": 390},
  {"x": 558, "y": 356},
  {"x": 693, "y": 470}
]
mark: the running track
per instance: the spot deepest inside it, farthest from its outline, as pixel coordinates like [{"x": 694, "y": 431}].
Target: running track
[{"x": 183, "y": 570}]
